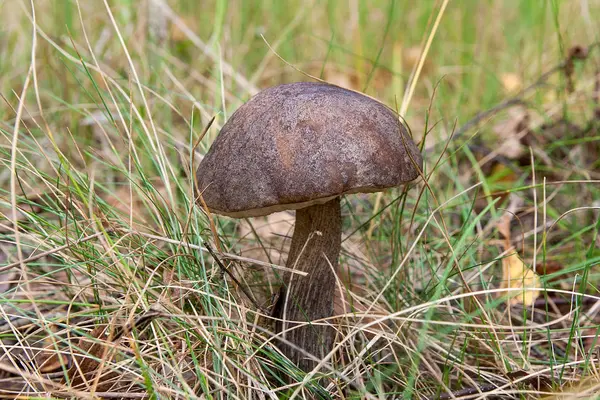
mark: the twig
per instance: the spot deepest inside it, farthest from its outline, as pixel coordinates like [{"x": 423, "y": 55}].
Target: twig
[
  {"x": 576, "y": 53},
  {"x": 150, "y": 236},
  {"x": 479, "y": 117},
  {"x": 51, "y": 251},
  {"x": 234, "y": 279},
  {"x": 223, "y": 255},
  {"x": 139, "y": 323}
]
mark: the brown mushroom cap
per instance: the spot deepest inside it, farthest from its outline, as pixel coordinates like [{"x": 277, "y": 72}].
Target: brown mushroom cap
[{"x": 299, "y": 144}]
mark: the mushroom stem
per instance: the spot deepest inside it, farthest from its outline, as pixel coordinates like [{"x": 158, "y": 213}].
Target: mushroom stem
[{"x": 315, "y": 250}]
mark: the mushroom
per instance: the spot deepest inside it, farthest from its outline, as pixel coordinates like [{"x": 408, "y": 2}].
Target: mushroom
[{"x": 301, "y": 146}]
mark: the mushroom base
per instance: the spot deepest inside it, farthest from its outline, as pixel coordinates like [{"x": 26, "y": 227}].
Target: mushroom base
[{"x": 315, "y": 250}]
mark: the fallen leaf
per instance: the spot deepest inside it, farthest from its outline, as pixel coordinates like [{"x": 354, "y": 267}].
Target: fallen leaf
[
  {"x": 91, "y": 358},
  {"x": 510, "y": 132},
  {"x": 549, "y": 267},
  {"x": 516, "y": 274},
  {"x": 48, "y": 359},
  {"x": 501, "y": 177},
  {"x": 503, "y": 174},
  {"x": 511, "y": 82}
]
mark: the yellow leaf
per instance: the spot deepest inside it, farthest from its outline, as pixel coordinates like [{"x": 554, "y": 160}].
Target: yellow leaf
[
  {"x": 517, "y": 275},
  {"x": 511, "y": 82}
]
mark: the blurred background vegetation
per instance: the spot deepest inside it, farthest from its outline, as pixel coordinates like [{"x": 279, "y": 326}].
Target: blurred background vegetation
[{"x": 482, "y": 50}]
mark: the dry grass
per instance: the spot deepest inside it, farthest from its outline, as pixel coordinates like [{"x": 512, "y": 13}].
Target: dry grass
[{"x": 107, "y": 288}]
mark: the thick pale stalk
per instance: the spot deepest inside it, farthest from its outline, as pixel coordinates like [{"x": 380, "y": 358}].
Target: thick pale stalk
[{"x": 315, "y": 250}]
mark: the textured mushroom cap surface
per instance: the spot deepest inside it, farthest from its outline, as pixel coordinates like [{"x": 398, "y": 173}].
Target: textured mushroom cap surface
[{"x": 304, "y": 143}]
